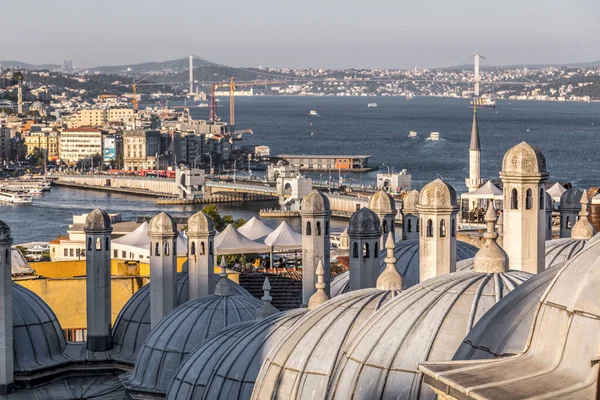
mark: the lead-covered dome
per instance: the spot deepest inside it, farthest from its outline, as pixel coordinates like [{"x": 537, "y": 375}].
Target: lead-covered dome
[
  {"x": 426, "y": 322},
  {"x": 97, "y": 220},
  {"x": 226, "y": 365},
  {"x": 523, "y": 159},
  {"x": 162, "y": 224},
  {"x": 200, "y": 224},
  {"x": 437, "y": 194},
  {"x": 571, "y": 200},
  {"x": 382, "y": 203},
  {"x": 364, "y": 222},
  {"x": 315, "y": 203},
  {"x": 179, "y": 332}
]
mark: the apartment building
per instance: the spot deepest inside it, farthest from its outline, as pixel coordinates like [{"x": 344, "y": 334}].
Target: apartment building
[
  {"x": 140, "y": 149},
  {"x": 43, "y": 140},
  {"x": 79, "y": 143},
  {"x": 120, "y": 115},
  {"x": 5, "y": 144}
]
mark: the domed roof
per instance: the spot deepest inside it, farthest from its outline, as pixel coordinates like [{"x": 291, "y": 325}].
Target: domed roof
[
  {"x": 523, "y": 159},
  {"x": 382, "y": 203},
  {"x": 570, "y": 200},
  {"x": 301, "y": 363},
  {"x": 200, "y": 223},
  {"x": 132, "y": 325},
  {"x": 97, "y": 220},
  {"x": 5, "y": 233},
  {"x": 410, "y": 201},
  {"x": 560, "y": 250},
  {"x": 39, "y": 342},
  {"x": 162, "y": 224},
  {"x": 315, "y": 202},
  {"x": 407, "y": 264},
  {"x": 426, "y": 322},
  {"x": 437, "y": 194},
  {"x": 225, "y": 366},
  {"x": 179, "y": 332},
  {"x": 364, "y": 222}
]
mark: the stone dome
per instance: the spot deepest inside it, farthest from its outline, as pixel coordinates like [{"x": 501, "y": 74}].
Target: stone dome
[
  {"x": 225, "y": 366},
  {"x": 97, "y": 220},
  {"x": 179, "y": 332},
  {"x": 571, "y": 200},
  {"x": 382, "y": 203},
  {"x": 426, "y": 322},
  {"x": 301, "y": 363},
  {"x": 162, "y": 224},
  {"x": 407, "y": 264},
  {"x": 315, "y": 202},
  {"x": 200, "y": 224},
  {"x": 437, "y": 194},
  {"x": 364, "y": 222},
  {"x": 5, "y": 233},
  {"x": 39, "y": 342},
  {"x": 132, "y": 325},
  {"x": 410, "y": 201},
  {"x": 523, "y": 159}
]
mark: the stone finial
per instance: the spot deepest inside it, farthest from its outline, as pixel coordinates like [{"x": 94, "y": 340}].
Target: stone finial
[
  {"x": 266, "y": 309},
  {"x": 320, "y": 296},
  {"x": 390, "y": 278},
  {"x": 490, "y": 259},
  {"x": 223, "y": 287},
  {"x": 583, "y": 229}
]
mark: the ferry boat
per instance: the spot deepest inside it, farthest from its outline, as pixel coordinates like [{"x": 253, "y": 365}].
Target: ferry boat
[
  {"x": 14, "y": 196},
  {"x": 483, "y": 102},
  {"x": 371, "y": 105},
  {"x": 434, "y": 136},
  {"x": 412, "y": 134},
  {"x": 313, "y": 112}
]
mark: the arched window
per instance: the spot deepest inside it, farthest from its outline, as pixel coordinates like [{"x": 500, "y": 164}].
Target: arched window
[
  {"x": 308, "y": 229},
  {"x": 6, "y": 255},
  {"x": 210, "y": 248},
  {"x": 409, "y": 225},
  {"x": 528, "y": 200},
  {"x": 376, "y": 252},
  {"x": 568, "y": 223},
  {"x": 384, "y": 227},
  {"x": 89, "y": 244},
  {"x": 429, "y": 228},
  {"x": 542, "y": 199},
  {"x": 98, "y": 244},
  {"x": 418, "y": 225},
  {"x": 514, "y": 201},
  {"x": 157, "y": 249},
  {"x": 366, "y": 250},
  {"x": 327, "y": 227},
  {"x": 166, "y": 248},
  {"x": 453, "y": 227},
  {"x": 443, "y": 228},
  {"x": 355, "y": 250},
  {"x": 318, "y": 228},
  {"x": 193, "y": 249},
  {"x": 106, "y": 244},
  {"x": 202, "y": 249}
]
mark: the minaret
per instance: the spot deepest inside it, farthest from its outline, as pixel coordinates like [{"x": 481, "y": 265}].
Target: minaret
[
  {"x": 390, "y": 278},
  {"x": 163, "y": 266},
  {"x": 98, "y": 230},
  {"x": 319, "y": 297},
  {"x": 474, "y": 182},
  {"x": 201, "y": 258},
  {"x": 437, "y": 249},
  {"x": 266, "y": 309},
  {"x": 410, "y": 216},
  {"x": 316, "y": 214},
  {"x": 569, "y": 208},
  {"x": 583, "y": 229},
  {"x": 384, "y": 205},
  {"x": 365, "y": 235},
  {"x": 6, "y": 315},
  {"x": 490, "y": 259},
  {"x": 523, "y": 175}
]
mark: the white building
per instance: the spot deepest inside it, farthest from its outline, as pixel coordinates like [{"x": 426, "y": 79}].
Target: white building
[{"x": 79, "y": 143}]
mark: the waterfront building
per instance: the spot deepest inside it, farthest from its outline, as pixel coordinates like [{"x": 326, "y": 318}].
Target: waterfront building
[
  {"x": 109, "y": 149},
  {"x": 140, "y": 149},
  {"x": 79, "y": 143},
  {"x": 395, "y": 182},
  {"x": 327, "y": 162},
  {"x": 49, "y": 142}
]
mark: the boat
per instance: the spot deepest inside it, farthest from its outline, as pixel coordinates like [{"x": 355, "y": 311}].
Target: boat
[
  {"x": 371, "y": 105},
  {"x": 14, "y": 196},
  {"x": 434, "y": 136},
  {"x": 313, "y": 112},
  {"x": 412, "y": 134},
  {"x": 483, "y": 102}
]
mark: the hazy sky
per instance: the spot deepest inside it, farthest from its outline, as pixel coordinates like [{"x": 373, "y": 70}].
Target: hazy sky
[{"x": 308, "y": 33}]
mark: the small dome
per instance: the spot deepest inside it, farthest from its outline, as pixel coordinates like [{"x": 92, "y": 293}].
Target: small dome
[
  {"x": 410, "y": 202},
  {"x": 382, "y": 203},
  {"x": 308, "y": 352},
  {"x": 225, "y": 366},
  {"x": 523, "y": 159},
  {"x": 162, "y": 224},
  {"x": 571, "y": 200},
  {"x": 407, "y": 264},
  {"x": 437, "y": 194},
  {"x": 181, "y": 331},
  {"x": 39, "y": 342},
  {"x": 5, "y": 232},
  {"x": 199, "y": 224},
  {"x": 132, "y": 325},
  {"x": 364, "y": 222},
  {"x": 315, "y": 202},
  {"x": 426, "y": 322},
  {"x": 97, "y": 220}
]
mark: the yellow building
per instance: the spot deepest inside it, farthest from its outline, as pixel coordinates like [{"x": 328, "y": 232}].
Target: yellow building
[
  {"x": 120, "y": 115},
  {"x": 48, "y": 141}
]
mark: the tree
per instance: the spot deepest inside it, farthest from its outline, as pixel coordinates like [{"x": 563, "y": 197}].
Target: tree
[{"x": 221, "y": 222}]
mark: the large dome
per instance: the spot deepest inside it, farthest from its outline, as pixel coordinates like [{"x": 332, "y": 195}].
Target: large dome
[
  {"x": 225, "y": 366},
  {"x": 407, "y": 264},
  {"x": 179, "y": 332},
  {"x": 301, "y": 364},
  {"x": 522, "y": 160},
  {"x": 133, "y": 322},
  {"x": 426, "y": 322}
]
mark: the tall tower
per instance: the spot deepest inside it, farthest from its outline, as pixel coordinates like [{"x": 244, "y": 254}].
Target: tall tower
[
  {"x": 191, "y": 68},
  {"x": 523, "y": 175},
  {"x": 410, "y": 216},
  {"x": 437, "y": 210},
  {"x": 569, "y": 208},
  {"x": 474, "y": 181},
  {"x": 383, "y": 204},
  {"x": 201, "y": 258},
  {"x": 6, "y": 316},
  {"x": 365, "y": 238},
  {"x": 163, "y": 266},
  {"x": 316, "y": 215},
  {"x": 97, "y": 230}
]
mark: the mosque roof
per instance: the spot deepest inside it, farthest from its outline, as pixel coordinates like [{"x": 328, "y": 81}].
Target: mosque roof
[
  {"x": 410, "y": 201},
  {"x": 200, "y": 223},
  {"x": 315, "y": 202},
  {"x": 437, "y": 194},
  {"x": 382, "y": 202},
  {"x": 97, "y": 220},
  {"x": 571, "y": 199},
  {"x": 162, "y": 224},
  {"x": 364, "y": 222},
  {"x": 522, "y": 160}
]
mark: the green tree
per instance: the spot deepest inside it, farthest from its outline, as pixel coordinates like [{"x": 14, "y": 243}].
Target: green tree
[{"x": 221, "y": 222}]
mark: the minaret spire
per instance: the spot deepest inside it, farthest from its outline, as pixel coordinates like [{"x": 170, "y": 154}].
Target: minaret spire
[
  {"x": 490, "y": 258},
  {"x": 390, "y": 278},
  {"x": 583, "y": 229},
  {"x": 319, "y": 297},
  {"x": 475, "y": 146},
  {"x": 474, "y": 181}
]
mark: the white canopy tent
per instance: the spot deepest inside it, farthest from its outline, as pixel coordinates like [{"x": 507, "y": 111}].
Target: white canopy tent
[
  {"x": 478, "y": 199},
  {"x": 284, "y": 238},
  {"x": 230, "y": 241},
  {"x": 556, "y": 191},
  {"x": 136, "y": 245},
  {"x": 254, "y": 229}
]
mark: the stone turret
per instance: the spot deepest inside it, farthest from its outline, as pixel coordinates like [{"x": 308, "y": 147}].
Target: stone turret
[
  {"x": 474, "y": 181},
  {"x": 569, "y": 208},
  {"x": 490, "y": 259},
  {"x": 410, "y": 215},
  {"x": 6, "y": 316},
  {"x": 384, "y": 206},
  {"x": 390, "y": 278},
  {"x": 365, "y": 235},
  {"x": 201, "y": 258},
  {"x": 583, "y": 229}
]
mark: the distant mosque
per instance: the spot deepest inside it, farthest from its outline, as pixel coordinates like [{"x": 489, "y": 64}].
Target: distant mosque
[{"x": 415, "y": 317}]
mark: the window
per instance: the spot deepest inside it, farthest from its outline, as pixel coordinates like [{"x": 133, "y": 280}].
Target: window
[
  {"x": 89, "y": 244},
  {"x": 443, "y": 228},
  {"x": 67, "y": 251},
  {"x": 453, "y": 227},
  {"x": 202, "y": 249},
  {"x": 514, "y": 201},
  {"x": 376, "y": 252},
  {"x": 366, "y": 250},
  {"x": 528, "y": 200},
  {"x": 115, "y": 253},
  {"x": 106, "y": 244},
  {"x": 308, "y": 229},
  {"x": 542, "y": 199},
  {"x": 327, "y": 227},
  {"x": 70, "y": 252},
  {"x": 384, "y": 226},
  {"x": 418, "y": 225},
  {"x": 568, "y": 223},
  {"x": 123, "y": 254},
  {"x": 355, "y": 250},
  {"x": 409, "y": 225},
  {"x": 318, "y": 228},
  {"x": 429, "y": 228},
  {"x": 166, "y": 248},
  {"x": 156, "y": 249},
  {"x": 210, "y": 248},
  {"x": 193, "y": 250}
]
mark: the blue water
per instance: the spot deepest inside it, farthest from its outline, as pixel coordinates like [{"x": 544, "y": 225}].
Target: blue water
[{"x": 567, "y": 133}]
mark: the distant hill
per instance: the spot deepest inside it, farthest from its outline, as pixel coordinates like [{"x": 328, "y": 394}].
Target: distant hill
[
  {"x": 23, "y": 65},
  {"x": 152, "y": 66},
  {"x": 589, "y": 64}
]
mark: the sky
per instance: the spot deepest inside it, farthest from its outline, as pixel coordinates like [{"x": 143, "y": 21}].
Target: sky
[{"x": 296, "y": 34}]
